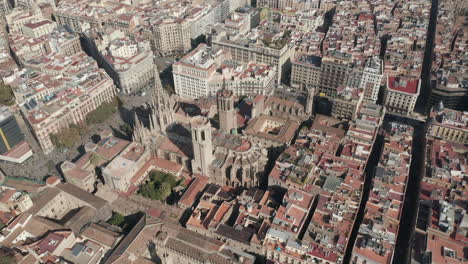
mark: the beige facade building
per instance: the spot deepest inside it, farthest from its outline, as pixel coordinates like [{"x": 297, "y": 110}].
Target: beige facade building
[
  {"x": 18, "y": 17},
  {"x": 346, "y": 104},
  {"x": 305, "y": 71},
  {"x": 372, "y": 77},
  {"x": 78, "y": 97},
  {"x": 123, "y": 171},
  {"x": 242, "y": 49},
  {"x": 15, "y": 201},
  {"x": 171, "y": 36},
  {"x": 206, "y": 70},
  {"x": 64, "y": 42},
  {"x": 335, "y": 70},
  {"x": 449, "y": 124},
  {"x": 39, "y": 28},
  {"x": 129, "y": 63},
  {"x": 82, "y": 173},
  {"x": 401, "y": 94}
]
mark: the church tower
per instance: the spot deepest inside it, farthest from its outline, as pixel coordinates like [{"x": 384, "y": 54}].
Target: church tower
[
  {"x": 202, "y": 145},
  {"x": 226, "y": 112},
  {"x": 161, "y": 115}
]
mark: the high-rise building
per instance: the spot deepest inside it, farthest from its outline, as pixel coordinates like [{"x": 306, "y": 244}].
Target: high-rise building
[
  {"x": 372, "y": 79},
  {"x": 10, "y": 133},
  {"x": 202, "y": 145},
  {"x": 226, "y": 111}
]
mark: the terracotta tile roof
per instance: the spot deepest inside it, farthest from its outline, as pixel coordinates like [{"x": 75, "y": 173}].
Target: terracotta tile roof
[{"x": 197, "y": 185}]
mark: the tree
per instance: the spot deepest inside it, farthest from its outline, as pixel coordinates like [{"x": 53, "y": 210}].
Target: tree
[
  {"x": 127, "y": 129},
  {"x": 6, "y": 95},
  {"x": 116, "y": 219},
  {"x": 160, "y": 185},
  {"x": 7, "y": 256},
  {"x": 104, "y": 111},
  {"x": 95, "y": 159},
  {"x": 164, "y": 190},
  {"x": 7, "y": 260},
  {"x": 67, "y": 138}
]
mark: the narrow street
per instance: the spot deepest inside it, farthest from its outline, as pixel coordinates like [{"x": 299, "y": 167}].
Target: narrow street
[{"x": 425, "y": 93}]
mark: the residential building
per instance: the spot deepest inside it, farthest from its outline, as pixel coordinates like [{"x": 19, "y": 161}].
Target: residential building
[
  {"x": 378, "y": 233},
  {"x": 448, "y": 124},
  {"x": 440, "y": 222},
  {"x": 65, "y": 103},
  {"x": 205, "y": 70},
  {"x": 5, "y": 6},
  {"x": 250, "y": 47},
  {"x": 39, "y": 28},
  {"x": 401, "y": 94},
  {"x": 174, "y": 243},
  {"x": 347, "y": 102},
  {"x": 306, "y": 71},
  {"x": 335, "y": 70},
  {"x": 372, "y": 77},
  {"x": 129, "y": 63}
]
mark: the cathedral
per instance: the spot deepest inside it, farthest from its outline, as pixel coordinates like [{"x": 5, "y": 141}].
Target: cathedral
[{"x": 224, "y": 156}]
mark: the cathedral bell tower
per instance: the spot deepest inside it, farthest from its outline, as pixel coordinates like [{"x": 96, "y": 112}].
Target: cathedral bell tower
[
  {"x": 202, "y": 145},
  {"x": 226, "y": 112}
]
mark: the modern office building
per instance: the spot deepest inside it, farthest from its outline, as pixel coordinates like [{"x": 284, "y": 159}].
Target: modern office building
[{"x": 10, "y": 133}]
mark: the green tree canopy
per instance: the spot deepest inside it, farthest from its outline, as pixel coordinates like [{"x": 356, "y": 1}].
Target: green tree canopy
[{"x": 6, "y": 94}]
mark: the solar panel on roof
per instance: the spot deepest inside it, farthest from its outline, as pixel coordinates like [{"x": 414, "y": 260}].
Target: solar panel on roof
[{"x": 77, "y": 249}]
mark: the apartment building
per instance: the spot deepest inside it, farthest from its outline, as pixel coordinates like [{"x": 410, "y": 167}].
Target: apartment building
[
  {"x": 246, "y": 48},
  {"x": 64, "y": 41},
  {"x": 335, "y": 69},
  {"x": 82, "y": 15},
  {"x": 305, "y": 71},
  {"x": 39, "y": 28},
  {"x": 347, "y": 102},
  {"x": 449, "y": 88},
  {"x": 401, "y": 94},
  {"x": 17, "y": 18},
  {"x": 372, "y": 77},
  {"x": 5, "y": 6},
  {"x": 448, "y": 124},
  {"x": 66, "y": 104},
  {"x": 171, "y": 36},
  {"x": 129, "y": 63},
  {"x": 206, "y": 70}
]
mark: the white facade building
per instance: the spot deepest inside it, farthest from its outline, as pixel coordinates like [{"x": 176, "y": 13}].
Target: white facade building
[{"x": 401, "y": 94}]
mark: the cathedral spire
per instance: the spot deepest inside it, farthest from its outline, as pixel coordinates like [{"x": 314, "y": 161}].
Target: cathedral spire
[{"x": 161, "y": 112}]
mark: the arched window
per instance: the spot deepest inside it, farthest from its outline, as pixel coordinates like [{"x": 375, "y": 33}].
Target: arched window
[{"x": 203, "y": 135}]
